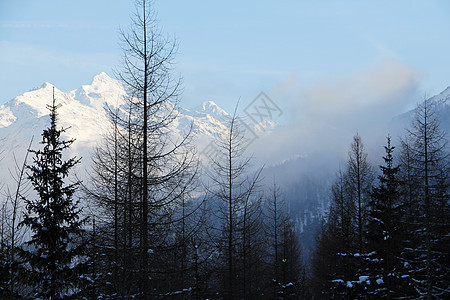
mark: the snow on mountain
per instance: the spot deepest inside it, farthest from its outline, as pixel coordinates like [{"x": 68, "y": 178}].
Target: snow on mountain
[
  {"x": 205, "y": 121},
  {"x": 83, "y": 113},
  {"x": 102, "y": 90},
  {"x": 212, "y": 109},
  {"x": 442, "y": 101},
  {"x": 6, "y": 116},
  {"x": 443, "y": 97}
]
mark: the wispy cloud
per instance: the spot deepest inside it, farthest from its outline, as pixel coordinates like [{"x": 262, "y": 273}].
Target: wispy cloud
[{"x": 327, "y": 113}]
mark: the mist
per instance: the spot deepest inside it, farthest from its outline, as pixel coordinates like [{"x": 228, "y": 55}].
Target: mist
[{"x": 323, "y": 117}]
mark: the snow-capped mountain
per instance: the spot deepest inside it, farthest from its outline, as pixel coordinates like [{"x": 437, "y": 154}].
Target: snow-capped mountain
[
  {"x": 305, "y": 180},
  {"x": 83, "y": 112}
]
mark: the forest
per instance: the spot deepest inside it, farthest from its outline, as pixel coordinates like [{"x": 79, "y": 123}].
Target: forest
[{"x": 154, "y": 221}]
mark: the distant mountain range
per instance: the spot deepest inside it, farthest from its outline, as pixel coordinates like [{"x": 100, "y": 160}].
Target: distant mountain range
[
  {"x": 83, "y": 112},
  {"x": 305, "y": 180}
]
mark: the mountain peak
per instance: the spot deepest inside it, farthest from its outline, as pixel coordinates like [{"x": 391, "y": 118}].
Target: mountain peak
[
  {"x": 208, "y": 104},
  {"x": 46, "y": 85},
  {"x": 211, "y": 108},
  {"x": 33, "y": 102},
  {"x": 103, "y": 82},
  {"x": 103, "y": 89},
  {"x": 43, "y": 86},
  {"x": 102, "y": 78}
]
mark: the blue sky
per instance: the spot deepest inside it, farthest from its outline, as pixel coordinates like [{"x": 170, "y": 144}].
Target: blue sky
[{"x": 294, "y": 51}]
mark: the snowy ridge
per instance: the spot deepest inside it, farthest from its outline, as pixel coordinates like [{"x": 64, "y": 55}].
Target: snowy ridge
[
  {"x": 211, "y": 108},
  {"x": 443, "y": 97},
  {"x": 442, "y": 100},
  {"x": 83, "y": 113},
  {"x": 102, "y": 90}
]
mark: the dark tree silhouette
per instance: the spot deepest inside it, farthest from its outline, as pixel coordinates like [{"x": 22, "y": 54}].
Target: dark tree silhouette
[
  {"x": 12, "y": 236},
  {"x": 284, "y": 260},
  {"x": 342, "y": 243},
  {"x": 385, "y": 230},
  {"x": 359, "y": 179},
  {"x": 426, "y": 254},
  {"x": 235, "y": 194},
  {"x": 143, "y": 173},
  {"x": 55, "y": 251}
]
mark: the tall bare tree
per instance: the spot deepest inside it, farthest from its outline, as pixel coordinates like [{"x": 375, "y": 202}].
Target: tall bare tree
[
  {"x": 143, "y": 172},
  {"x": 425, "y": 150},
  {"x": 14, "y": 205},
  {"x": 359, "y": 179},
  {"x": 342, "y": 242},
  {"x": 234, "y": 192},
  {"x": 285, "y": 264}
]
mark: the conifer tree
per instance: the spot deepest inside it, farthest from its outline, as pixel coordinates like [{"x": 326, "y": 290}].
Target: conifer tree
[
  {"x": 326, "y": 276},
  {"x": 54, "y": 253},
  {"x": 426, "y": 253},
  {"x": 385, "y": 229}
]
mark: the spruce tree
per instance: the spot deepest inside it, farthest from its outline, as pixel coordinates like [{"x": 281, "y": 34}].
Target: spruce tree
[
  {"x": 54, "y": 253},
  {"x": 385, "y": 229}
]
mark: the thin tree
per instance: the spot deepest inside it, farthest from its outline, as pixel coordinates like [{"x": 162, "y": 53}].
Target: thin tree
[
  {"x": 14, "y": 203},
  {"x": 428, "y": 255},
  {"x": 342, "y": 242},
  {"x": 285, "y": 265},
  {"x": 275, "y": 218},
  {"x": 251, "y": 231},
  {"x": 233, "y": 191},
  {"x": 359, "y": 183},
  {"x": 112, "y": 191},
  {"x": 165, "y": 164},
  {"x": 335, "y": 244}
]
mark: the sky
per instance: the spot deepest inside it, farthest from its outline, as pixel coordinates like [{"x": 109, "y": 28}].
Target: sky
[{"x": 317, "y": 60}]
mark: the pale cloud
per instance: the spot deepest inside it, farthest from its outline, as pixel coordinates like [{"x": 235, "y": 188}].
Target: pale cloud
[
  {"x": 371, "y": 89},
  {"x": 382, "y": 49},
  {"x": 327, "y": 113}
]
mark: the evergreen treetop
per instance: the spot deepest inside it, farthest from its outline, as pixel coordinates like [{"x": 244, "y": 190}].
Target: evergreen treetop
[{"x": 54, "y": 252}]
